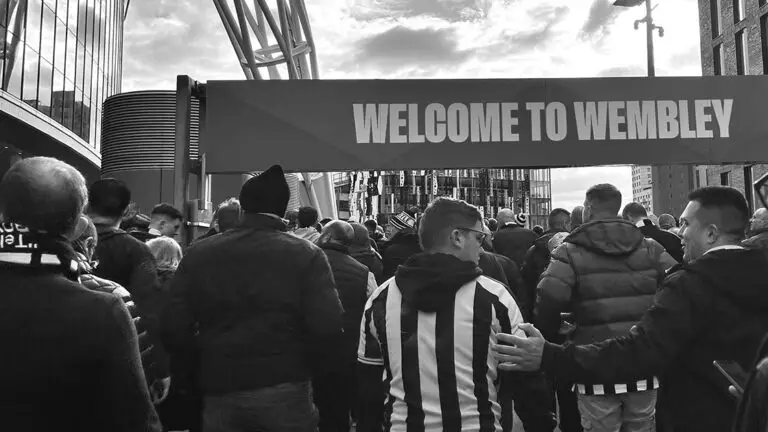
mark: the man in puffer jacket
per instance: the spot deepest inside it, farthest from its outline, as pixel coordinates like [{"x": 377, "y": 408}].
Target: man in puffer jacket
[
  {"x": 84, "y": 244},
  {"x": 607, "y": 273}
]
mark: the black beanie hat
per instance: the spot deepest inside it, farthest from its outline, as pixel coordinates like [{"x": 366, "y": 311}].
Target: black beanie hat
[{"x": 268, "y": 192}]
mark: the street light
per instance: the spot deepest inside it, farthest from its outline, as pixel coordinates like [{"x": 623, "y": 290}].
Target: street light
[{"x": 649, "y": 26}]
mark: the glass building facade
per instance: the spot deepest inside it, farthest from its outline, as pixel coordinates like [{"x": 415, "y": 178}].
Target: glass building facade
[{"x": 62, "y": 58}]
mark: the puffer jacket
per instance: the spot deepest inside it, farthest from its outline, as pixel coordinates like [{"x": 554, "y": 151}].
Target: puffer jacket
[
  {"x": 95, "y": 283},
  {"x": 607, "y": 273},
  {"x": 535, "y": 262}
]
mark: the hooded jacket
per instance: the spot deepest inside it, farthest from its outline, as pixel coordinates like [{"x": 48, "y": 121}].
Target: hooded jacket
[
  {"x": 429, "y": 283},
  {"x": 757, "y": 241},
  {"x": 713, "y": 309},
  {"x": 606, "y": 272}
]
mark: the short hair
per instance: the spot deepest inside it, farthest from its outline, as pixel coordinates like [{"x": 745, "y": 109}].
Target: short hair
[
  {"x": 371, "y": 224},
  {"x": 228, "y": 214},
  {"x": 604, "y": 198},
  {"x": 307, "y": 217},
  {"x": 291, "y": 215},
  {"x": 558, "y": 218},
  {"x": 577, "y": 217},
  {"x": 667, "y": 221},
  {"x": 165, "y": 209},
  {"x": 634, "y": 210},
  {"x": 167, "y": 252},
  {"x": 493, "y": 224},
  {"x": 443, "y": 215},
  {"x": 109, "y": 197},
  {"x": 325, "y": 221},
  {"x": 337, "y": 231},
  {"x": 43, "y": 194},
  {"x": 726, "y": 207}
]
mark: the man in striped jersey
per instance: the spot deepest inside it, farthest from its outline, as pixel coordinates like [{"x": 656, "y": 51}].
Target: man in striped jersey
[{"x": 431, "y": 327}]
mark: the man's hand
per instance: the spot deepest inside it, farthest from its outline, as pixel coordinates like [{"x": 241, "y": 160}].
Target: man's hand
[
  {"x": 516, "y": 353},
  {"x": 159, "y": 390}
]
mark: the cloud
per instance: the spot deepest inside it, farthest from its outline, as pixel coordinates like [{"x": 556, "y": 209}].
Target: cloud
[
  {"x": 538, "y": 37},
  {"x": 448, "y": 10},
  {"x": 401, "y": 47},
  {"x": 602, "y": 14},
  {"x": 570, "y": 184},
  {"x": 623, "y": 71}
]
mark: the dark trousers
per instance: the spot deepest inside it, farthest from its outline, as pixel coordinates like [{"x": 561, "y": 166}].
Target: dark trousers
[
  {"x": 283, "y": 408},
  {"x": 334, "y": 395},
  {"x": 567, "y": 406}
]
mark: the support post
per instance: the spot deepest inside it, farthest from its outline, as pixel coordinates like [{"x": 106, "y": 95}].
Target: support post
[
  {"x": 181, "y": 163},
  {"x": 649, "y": 27}
]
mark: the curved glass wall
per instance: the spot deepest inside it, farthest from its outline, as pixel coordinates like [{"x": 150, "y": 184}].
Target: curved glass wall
[{"x": 63, "y": 58}]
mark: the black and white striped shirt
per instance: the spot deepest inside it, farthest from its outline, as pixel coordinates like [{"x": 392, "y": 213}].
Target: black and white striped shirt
[{"x": 439, "y": 370}]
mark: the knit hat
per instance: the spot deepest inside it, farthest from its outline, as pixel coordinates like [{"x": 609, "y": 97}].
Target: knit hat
[
  {"x": 403, "y": 221},
  {"x": 268, "y": 192},
  {"x": 521, "y": 219}
]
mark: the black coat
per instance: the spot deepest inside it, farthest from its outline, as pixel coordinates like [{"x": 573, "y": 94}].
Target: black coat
[
  {"x": 535, "y": 262},
  {"x": 513, "y": 242},
  {"x": 713, "y": 309},
  {"x": 256, "y": 302},
  {"x": 505, "y": 271},
  {"x": 72, "y": 358},
  {"x": 352, "y": 284},
  {"x": 371, "y": 260},
  {"x": 397, "y": 250}
]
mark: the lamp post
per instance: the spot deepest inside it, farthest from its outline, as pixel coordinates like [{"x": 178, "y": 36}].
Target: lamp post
[{"x": 649, "y": 28}]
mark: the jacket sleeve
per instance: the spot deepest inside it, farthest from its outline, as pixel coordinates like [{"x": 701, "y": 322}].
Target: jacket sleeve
[
  {"x": 666, "y": 329},
  {"x": 372, "y": 284},
  {"x": 663, "y": 260},
  {"x": 125, "y": 394},
  {"x": 178, "y": 320},
  {"x": 517, "y": 286},
  {"x": 554, "y": 292},
  {"x": 320, "y": 300},
  {"x": 146, "y": 293},
  {"x": 529, "y": 390}
]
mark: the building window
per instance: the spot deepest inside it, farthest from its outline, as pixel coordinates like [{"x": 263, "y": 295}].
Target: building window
[
  {"x": 738, "y": 10},
  {"x": 714, "y": 10},
  {"x": 717, "y": 60},
  {"x": 742, "y": 56},
  {"x": 725, "y": 178}
]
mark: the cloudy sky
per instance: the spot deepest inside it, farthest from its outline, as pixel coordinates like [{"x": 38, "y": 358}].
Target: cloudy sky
[{"x": 432, "y": 39}]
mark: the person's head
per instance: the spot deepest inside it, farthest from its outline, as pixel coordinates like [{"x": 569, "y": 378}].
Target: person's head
[
  {"x": 634, "y": 212},
  {"x": 453, "y": 227},
  {"x": 337, "y": 232},
  {"x": 371, "y": 225},
  {"x": 577, "y": 217},
  {"x": 84, "y": 237},
  {"x": 653, "y": 218},
  {"x": 602, "y": 201},
  {"x": 108, "y": 200},
  {"x": 166, "y": 219},
  {"x": 559, "y": 220},
  {"x": 488, "y": 240},
  {"x": 266, "y": 193},
  {"x": 715, "y": 216},
  {"x": 505, "y": 216},
  {"x": 43, "y": 194},
  {"x": 137, "y": 222},
  {"x": 307, "y": 217},
  {"x": 401, "y": 222},
  {"x": 538, "y": 230},
  {"x": 759, "y": 222},
  {"x": 362, "y": 238},
  {"x": 229, "y": 214},
  {"x": 292, "y": 216},
  {"x": 166, "y": 251},
  {"x": 493, "y": 224},
  {"x": 667, "y": 221}
]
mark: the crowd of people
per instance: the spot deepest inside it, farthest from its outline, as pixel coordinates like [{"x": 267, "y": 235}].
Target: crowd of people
[{"x": 607, "y": 319}]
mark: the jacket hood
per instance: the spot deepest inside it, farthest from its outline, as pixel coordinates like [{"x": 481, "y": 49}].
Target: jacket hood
[
  {"x": 543, "y": 241},
  {"x": 736, "y": 274},
  {"x": 611, "y": 237},
  {"x": 429, "y": 282},
  {"x": 405, "y": 237}
]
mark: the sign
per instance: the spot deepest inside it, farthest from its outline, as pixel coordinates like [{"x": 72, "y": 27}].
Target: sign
[{"x": 319, "y": 125}]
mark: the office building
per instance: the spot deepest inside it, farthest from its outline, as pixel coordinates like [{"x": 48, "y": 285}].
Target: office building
[
  {"x": 363, "y": 195},
  {"x": 734, "y": 41},
  {"x": 642, "y": 186},
  {"x": 59, "y": 60}
]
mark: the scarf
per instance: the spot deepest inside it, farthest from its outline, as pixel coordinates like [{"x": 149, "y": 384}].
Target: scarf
[{"x": 21, "y": 246}]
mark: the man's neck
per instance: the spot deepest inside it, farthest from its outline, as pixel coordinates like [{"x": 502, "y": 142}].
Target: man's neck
[
  {"x": 602, "y": 216},
  {"x": 105, "y": 221}
]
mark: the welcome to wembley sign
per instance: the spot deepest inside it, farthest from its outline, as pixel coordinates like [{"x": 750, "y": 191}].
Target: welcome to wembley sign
[{"x": 329, "y": 125}]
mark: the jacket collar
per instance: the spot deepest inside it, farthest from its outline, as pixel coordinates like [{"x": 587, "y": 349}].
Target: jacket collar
[
  {"x": 262, "y": 222},
  {"x": 335, "y": 246}
]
